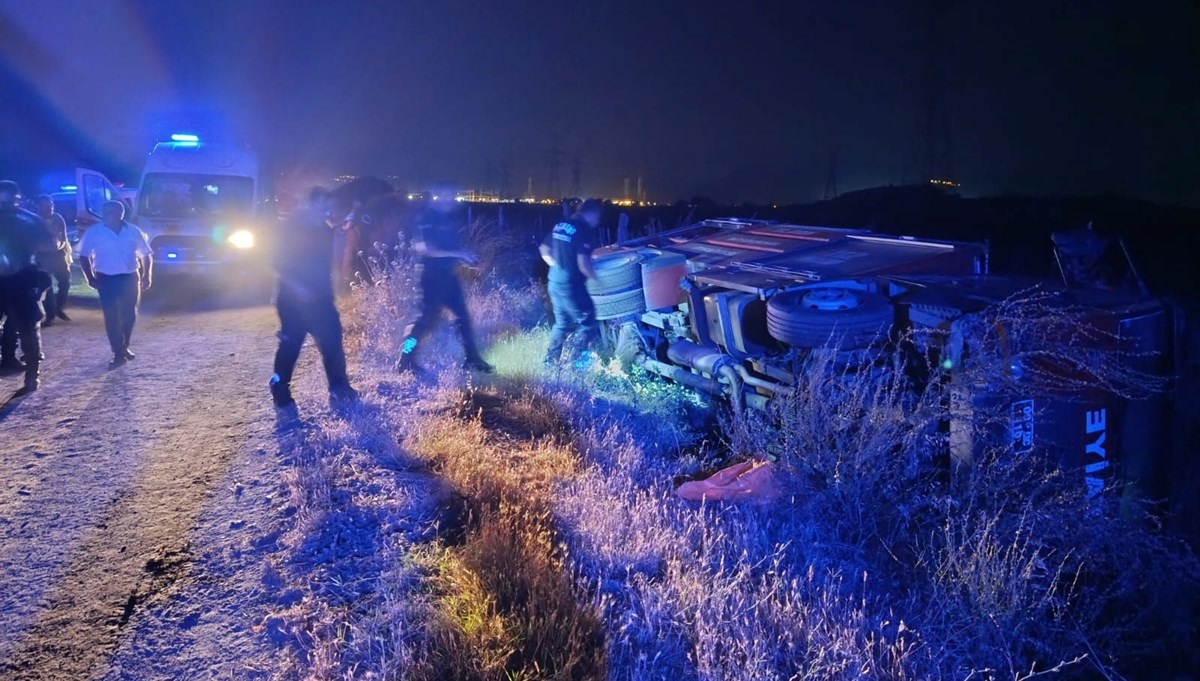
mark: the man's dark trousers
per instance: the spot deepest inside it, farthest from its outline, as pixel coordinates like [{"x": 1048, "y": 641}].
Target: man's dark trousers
[
  {"x": 299, "y": 317},
  {"x": 56, "y": 298},
  {"x": 574, "y": 317},
  {"x": 442, "y": 291},
  {"x": 21, "y": 322},
  {"x": 119, "y": 297}
]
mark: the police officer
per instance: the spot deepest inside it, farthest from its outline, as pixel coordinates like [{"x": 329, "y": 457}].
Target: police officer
[
  {"x": 22, "y": 285},
  {"x": 567, "y": 249},
  {"x": 305, "y": 301},
  {"x": 55, "y": 258},
  {"x": 441, "y": 253}
]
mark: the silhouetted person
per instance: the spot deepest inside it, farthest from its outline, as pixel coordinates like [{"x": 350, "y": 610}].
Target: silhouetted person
[
  {"x": 117, "y": 261},
  {"x": 56, "y": 260},
  {"x": 305, "y": 301},
  {"x": 439, "y": 245},
  {"x": 22, "y": 285},
  {"x": 567, "y": 249}
]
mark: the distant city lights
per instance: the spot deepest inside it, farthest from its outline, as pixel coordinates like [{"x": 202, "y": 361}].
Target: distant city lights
[
  {"x": 481, "y": 196},
  {"x": 944, "y": 183}
]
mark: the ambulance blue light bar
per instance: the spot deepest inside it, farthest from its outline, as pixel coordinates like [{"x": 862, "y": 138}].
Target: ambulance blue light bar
[{"x": 181, "y": 137}]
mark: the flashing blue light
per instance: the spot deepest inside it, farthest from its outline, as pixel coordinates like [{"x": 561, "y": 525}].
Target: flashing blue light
[
  {"x": 172, "y": 255},
  {"x": 180, "y": 137},
  {"x": 947, "y": 364},
  {"x": 69, "y": 188}
]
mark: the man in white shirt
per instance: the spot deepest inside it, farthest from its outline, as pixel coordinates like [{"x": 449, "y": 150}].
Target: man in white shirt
[{"x": 116, "y": 260}]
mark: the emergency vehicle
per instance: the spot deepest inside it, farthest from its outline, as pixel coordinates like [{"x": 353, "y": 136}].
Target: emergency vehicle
[{"x": 199, "y": 202}]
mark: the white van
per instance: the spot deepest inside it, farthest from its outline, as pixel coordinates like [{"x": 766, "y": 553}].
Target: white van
[{"x": 197, "y": 201}]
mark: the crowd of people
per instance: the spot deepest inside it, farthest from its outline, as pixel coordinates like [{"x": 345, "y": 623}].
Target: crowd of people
[
  {"x": 116, "y": 259},
  {"x": 305, "y": 298},
  {"x": 33, "y": 254}
]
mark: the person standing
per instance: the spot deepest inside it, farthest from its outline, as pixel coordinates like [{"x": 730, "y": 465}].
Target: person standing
[
  {"x": 567, "y": 249},
  {"x": 117, "y": 261},
  {"x": 56, "y": 260},
  {"x": 22, "y": 285},
  {"x": 441, "y": 252},
  {"x": 305, "y": 301}
]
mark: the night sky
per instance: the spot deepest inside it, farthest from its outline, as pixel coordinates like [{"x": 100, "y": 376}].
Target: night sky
[{"x": 731, "y": 100}]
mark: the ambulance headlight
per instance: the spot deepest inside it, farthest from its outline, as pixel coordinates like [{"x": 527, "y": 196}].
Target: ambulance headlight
[{"x": 241, "y": 239}]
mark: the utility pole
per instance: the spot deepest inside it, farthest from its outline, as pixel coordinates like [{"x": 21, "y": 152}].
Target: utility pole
[
  {"x": 577, "y": 175},
  {"x": 505, "y": 187},
  {"x": 640, "y": 195},
  {"x": 831, "y": 190},
  {"x": 554, "y": 156},
  {"x": 529, "y": 188}
]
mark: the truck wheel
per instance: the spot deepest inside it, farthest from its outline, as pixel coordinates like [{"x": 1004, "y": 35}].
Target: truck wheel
[
  {"x": 839, "y": 318},
  {"x": 618, "y": 272},
  {"x": 614, "y": 305}
]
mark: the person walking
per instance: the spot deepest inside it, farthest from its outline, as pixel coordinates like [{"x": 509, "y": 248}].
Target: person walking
[
  {"x": 439, "y": 245},
  {"x": 567, "y": 249},
  {"x": 305, "y": 301},
  {"x": 117, "y": 261},
  {"x": 22, "y": 285},
  {"x": 56, "y": 260}
]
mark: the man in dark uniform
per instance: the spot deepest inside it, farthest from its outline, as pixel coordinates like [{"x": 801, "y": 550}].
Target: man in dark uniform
[
  {"x": 568, "y": 251},
  {"x": 441, "y": 253},
  {"x": 55, "y": 259},
  {"x": 305, "y": 301},
  {"x": 22, "y": 285}
]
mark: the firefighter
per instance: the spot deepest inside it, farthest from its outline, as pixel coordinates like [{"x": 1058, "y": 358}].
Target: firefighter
[
  {"x": 22, "y": 284},
  {"x": 305, "y": 302},
  {"x": 568, "y": 251},
  {"x": 441, "y": 252}
]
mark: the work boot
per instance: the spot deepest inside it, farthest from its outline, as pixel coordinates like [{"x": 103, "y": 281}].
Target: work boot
[
  {"x": 407, "y": 364},
  {"x": 129, "y": 354},
  {"x": 31, "y": 385},
  {"x": 340, "y": 395},
  {"x": 117, "y": 361},
  {"x": 281, "y": 393},
  {"x": 478, "y": 364}
]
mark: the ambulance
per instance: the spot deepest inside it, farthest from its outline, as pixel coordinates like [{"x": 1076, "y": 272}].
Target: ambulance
[{"x": 199, "y": 202}]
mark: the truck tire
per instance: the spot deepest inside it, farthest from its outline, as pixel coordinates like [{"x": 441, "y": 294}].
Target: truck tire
[
  {"x": 617, "y": 272},
  {"x": 614, "y": 305},
  {"x": 839, "y": 318}
]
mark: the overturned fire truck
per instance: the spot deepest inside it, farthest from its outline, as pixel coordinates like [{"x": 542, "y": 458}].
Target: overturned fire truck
[{"x": 728, "y": 307}]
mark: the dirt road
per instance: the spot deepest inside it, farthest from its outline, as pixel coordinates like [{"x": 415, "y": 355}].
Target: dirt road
[{"x": 136, "y": 503}]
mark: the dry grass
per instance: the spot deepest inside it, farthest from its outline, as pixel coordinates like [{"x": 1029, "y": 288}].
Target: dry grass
[
  {"x": 567, "y": 555},
  {"x": 508, "y": 609}
]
